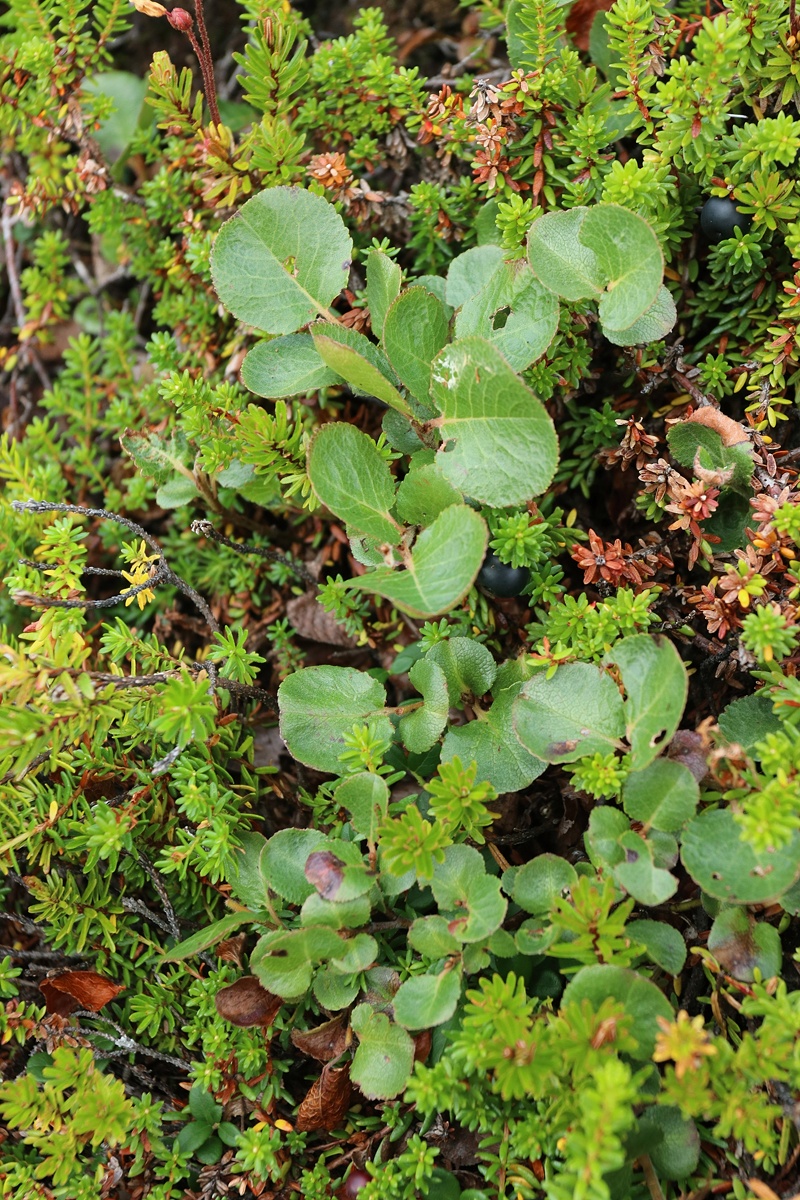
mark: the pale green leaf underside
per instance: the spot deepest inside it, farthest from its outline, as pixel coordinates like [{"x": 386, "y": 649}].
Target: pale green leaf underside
[
  {"x": 359, "y": 372},
  {"x": 656, "y": 684},
  {"x": 383, "y": 286},
  {"x": 281, "y": 259},
  {"x": 651, "y": 326}
]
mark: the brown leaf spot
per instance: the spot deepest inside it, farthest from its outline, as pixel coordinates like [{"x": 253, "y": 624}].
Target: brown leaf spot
[
  {"x": 324, "y": 871},
  {"x": 327, "y": 1101},
  {"x": 77, "y": 989},
  {"x": 247, "y": 1003}
]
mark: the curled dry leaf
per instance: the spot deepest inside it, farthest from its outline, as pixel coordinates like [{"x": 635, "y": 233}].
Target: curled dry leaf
[
  {"x": 71, "y": 990},
  {"x": 711, "y": 478},
  {"x": 731, "y": 432},
  {"x": 326, "y": 1042},
  {"x": 327, "y": 1101},
  {"x": 422, "y": 1045},
  {"x": 230, "y": 950},
  {"x": 247, "y": 1003},
  {"x": 691, "y": 750}
]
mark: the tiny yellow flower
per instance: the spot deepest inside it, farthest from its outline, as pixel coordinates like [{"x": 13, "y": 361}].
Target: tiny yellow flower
[{"x": 684, "y": 1042}]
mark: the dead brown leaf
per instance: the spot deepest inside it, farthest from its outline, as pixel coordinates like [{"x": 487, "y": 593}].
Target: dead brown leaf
[
  {"x": 327, "y": 1101},
  {"x": 247, "y": 1003},
  {"x": 326, "y": 1042},
  {"x": 310, "y": 620},
  {"x": 65, "y": 993}
]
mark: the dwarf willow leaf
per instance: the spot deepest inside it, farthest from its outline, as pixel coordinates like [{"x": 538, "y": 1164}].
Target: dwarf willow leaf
[
  {"x": 351, "y": 478},
  {"x": 281, "y": 260},
  {"x": 539, "y": 883},
  {"x": 319, "y": 705},
  {"x": 383, "y": 286},
  {"x": 415, "y": 330},
  {"x": 656, "y": 684},
  {"x": 427, "y": 1000},
  {"x": 728, "y": 868},
  {"x": 419, "y": 730},
  {"x": 286, "y": 366},
  {"x": 664, "y": 945},
  {"x": 560, "y": 260},
  {"x": 283, "y": 960},
  {"x": 283, "y": 862},
  {"x": 664, "y": 795},
  {"x": 500, "y": 445},
  {"x": 651, "y": 326},
  {"x": 366, "y": 797},
  {"x": 354, "y": 357},
  {"x": 629, "y": 255},
  {"x": 638, "y": 874},
  {"x": 469, "y": 897},
  {"x": 471, "y": 271},
  {"x": 577, "y": 712},
  {"x": 530, "y": 310},
  {"x": 641, "y": 999},
  {"x": 441, "y": 568},
  {"x": 423, "y": 494},
  {"x": 385, "y": 1055},
  {"x": 469, "y": 667},
  {"x": 492, "y": 743}
]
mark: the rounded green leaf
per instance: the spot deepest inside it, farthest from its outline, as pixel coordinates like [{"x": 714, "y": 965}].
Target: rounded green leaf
[
  {"x": 283, "y": 960},
  {"x": 357, "y": 360},
  {"x": 283, "y": 862},
  {"x": 469, "y": 667},
  {"x": 357, "y": 954},
  {"x": 427, "y": 1000},
  {"x": 366, "y": 797},
  {"x": 748, "y": 720},
  {"x": 560, "y": 260},
  {"x": 247, "y": 881},
  {"x": 423, "y": 494},
  {"x": 431, "y": 937},
  {"x": 663, "y": 943},
  {"x": 663, "y": 796},
  {"x": 606, "y": 827},
  {"x": 638, "y": 995},
  {"x": 629, "y": 255},
  {"x": 499, "y": 444},
  {"x": 441, "y": 569},
  {"x": 286, "y": 366},
  {"x": 578, "y": 711},
  {"x": 656, "y": 684},
  {"x": 351, "y": 478},
  {"x": 318, "y": 705},
  {"x": 530, "y": 310},
  {"x": 415, "y": 330},
  {"x": 727, "y": 868},
  {"x": 652, "y": 326},
  {"x": 419, "y": 730},
  {"x": 281, "y": 260},
  {"x": 471, "y": 271},
  {"x": 332, "y": 990},
  {"x": 467, "y": 895},
  {"x": 677, "y": 1153},
  {"x": 490, "y": 741},
  {"x": 542, "y": 881},
  {"x": 383, "y": 285},
  {"x": 385, "y": 1055},
  {"x": 638, "y": 874}
]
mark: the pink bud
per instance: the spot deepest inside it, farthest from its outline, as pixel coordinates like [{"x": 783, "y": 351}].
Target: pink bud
[{"x": 180, "y": 19}]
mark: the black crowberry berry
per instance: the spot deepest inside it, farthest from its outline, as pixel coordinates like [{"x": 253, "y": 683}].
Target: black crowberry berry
[
  {"x": 719, "y": 216},
  {"x": 500, "y": 579}
]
